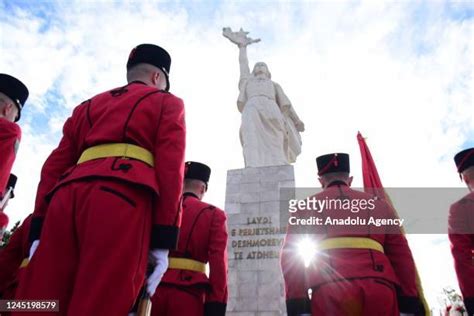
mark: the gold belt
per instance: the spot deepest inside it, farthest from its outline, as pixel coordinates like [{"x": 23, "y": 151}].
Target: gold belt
[
  {"x": 117, "y": 150},
  {"x": 186, "y": 264},
  {"x": 350, "y": 243}
]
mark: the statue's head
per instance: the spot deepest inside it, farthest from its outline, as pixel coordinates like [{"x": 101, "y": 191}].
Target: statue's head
[{"x": 261, "y": 68}]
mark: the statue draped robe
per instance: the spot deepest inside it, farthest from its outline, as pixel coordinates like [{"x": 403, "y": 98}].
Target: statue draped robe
[{"x": 267, "y": 133}]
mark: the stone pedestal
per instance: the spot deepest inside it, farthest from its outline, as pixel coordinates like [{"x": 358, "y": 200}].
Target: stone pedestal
[{"x": 253, "y": 202}]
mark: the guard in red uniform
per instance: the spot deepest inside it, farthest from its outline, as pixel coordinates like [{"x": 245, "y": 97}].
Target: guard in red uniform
[
  {"x": 110, "y": 195},
  {"x": 13, "y": 95},
  {"x": 185, "y": 289},
  {"x": 461, "y": 230},
  {"x": 13, "y": 260},
  {"x": 357, "y": 269}
]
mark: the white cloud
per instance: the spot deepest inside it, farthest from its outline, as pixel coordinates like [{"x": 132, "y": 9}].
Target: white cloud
[
  {"x": 435, "y": 266},
  {"x": 33, "y": 151}
]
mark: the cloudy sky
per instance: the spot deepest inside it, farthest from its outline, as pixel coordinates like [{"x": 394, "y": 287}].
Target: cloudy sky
[{"x": 400, "y": 72}]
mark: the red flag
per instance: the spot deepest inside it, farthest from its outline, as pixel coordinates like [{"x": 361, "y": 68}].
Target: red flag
[
  {"x": 371, "y": 178},
  {"x": 373, "y": 185}
]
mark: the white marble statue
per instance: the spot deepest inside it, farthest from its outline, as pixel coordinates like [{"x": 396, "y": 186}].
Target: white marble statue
[{"x": 270, "y": 127}]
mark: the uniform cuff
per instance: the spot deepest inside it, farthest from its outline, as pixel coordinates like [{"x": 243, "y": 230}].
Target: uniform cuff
[
  {"x": 297, "y": 306},
  {"x": 410, "y": 305},
  {"x": 214, "y": 309},
  {"x": 35, "y": 228},
  {"x": 469, "y": 303},
  {"x": 165, "y": 237}
]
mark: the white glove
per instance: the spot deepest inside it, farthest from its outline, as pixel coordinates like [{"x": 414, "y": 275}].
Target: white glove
[
  {"x": 160, "y": 258},
  {"x": 34, "y": 246}
]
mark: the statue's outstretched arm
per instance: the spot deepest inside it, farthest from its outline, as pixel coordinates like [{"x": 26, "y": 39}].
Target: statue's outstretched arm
[
  {"x": 244, "y": 62},
  {"x": 242, "y": 40}
]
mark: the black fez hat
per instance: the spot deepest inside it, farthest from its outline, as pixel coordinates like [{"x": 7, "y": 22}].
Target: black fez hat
[
  {"x": 153, "y": 55},
  {"x": 198, "y": 171},
  {"x": 15, "y": 90},
  {"x": 464, "y": 159},
  {"x": 337, "y": 162}
]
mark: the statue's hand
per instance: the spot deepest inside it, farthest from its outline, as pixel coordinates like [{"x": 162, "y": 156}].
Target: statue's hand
[
  {"x": 251, "y": 41},
  {"x": 285, "y": 108},
  {"x": 299, "y": 126},
  {"x": 239, "y": 38}
]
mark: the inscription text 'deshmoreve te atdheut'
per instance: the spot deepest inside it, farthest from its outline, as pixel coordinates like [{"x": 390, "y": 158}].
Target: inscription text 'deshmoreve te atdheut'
[{"x": 247, "y": 240}]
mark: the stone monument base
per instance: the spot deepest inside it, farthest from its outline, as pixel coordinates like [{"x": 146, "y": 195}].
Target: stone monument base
[{"x": 256, "y": 236}]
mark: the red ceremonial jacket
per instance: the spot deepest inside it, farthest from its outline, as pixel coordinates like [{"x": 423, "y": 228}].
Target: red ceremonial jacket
[
  {"x": 136, "y": 114},
  {"x": 395, "y": 264},
  {"x": 10, "y": 259},
  {"x": 461, "y": 235},
  {"x": 202, "y": 237},
  {"x": 10, "y": 135}
]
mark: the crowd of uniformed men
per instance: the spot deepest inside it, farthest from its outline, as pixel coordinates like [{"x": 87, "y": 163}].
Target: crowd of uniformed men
[{"x": 119, "y": 216}]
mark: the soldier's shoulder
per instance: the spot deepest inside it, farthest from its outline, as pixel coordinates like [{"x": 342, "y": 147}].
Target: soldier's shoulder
[
  {"x": 10, "y": 128},
  {"x": 197, "y": 203},
  {"x": 213, "y": 208},
  {"x": 219, "y": 211},
  {"x": 208, "y": 205},
  {"x": 84, "y": 103},
  {"x": 467, "y": 200},
  {"x": 98, "y": 96},
  {"x": 358, "y": 193},
  {"x": 371, "y": 198},
  {"x": 169, "y": 97},
  {"x": 463, "y": 205},
  {"x": 165, "y": 98},
  {"x": 219, "y": 214},
  {"x": 111, "y": 92}
]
